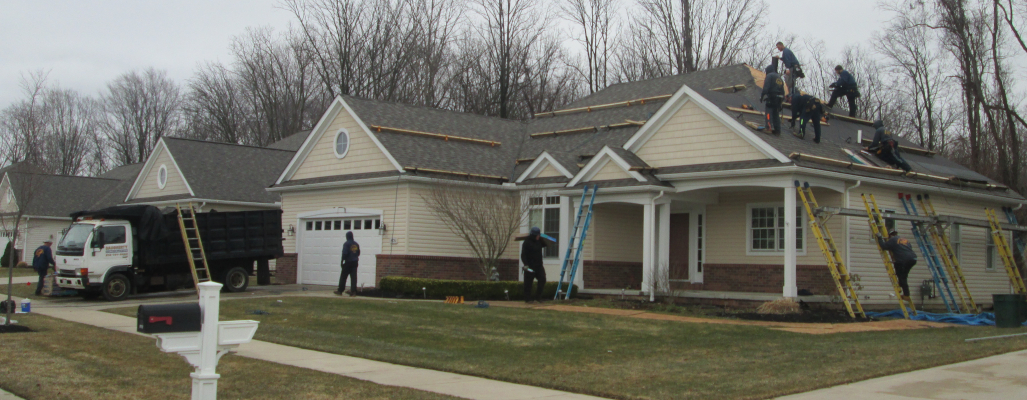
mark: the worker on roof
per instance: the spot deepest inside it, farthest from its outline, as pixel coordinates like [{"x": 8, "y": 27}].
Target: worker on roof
[
  {"x": 807, "y": 108},
  {"x": 886, "y": 147},
  {"x": 844, "y": 86},
  {"x": 793, "y": 69},
  {"x": 903, "y": 256},
  {"x": 773, "y": 96}
]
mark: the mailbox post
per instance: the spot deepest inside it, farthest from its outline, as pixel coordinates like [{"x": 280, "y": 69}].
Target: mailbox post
[{"x": 176, "y": 329}]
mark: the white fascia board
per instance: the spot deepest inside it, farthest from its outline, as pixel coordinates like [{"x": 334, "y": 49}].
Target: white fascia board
[
  {"x": 208, "y": 201},
  {"x": 596, "y": 164},
  {"x": 146, "y": 168},
  {"x": 180, "y": 173},
  {"x": 837, "y": 175},
  {"x": 312, "y": 138},
  {"x": 540, "y": 163},
  {"x": 383, "y": 180}
]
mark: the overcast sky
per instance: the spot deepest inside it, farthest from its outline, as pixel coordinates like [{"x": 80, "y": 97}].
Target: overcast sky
[{"x": 86, "y": 43}]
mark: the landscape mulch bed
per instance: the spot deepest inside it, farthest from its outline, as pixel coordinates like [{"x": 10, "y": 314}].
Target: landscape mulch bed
[{"x": 14, "y": 328}]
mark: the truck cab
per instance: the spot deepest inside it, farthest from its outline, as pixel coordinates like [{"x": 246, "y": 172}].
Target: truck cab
[{"x": 95, "y": 257}]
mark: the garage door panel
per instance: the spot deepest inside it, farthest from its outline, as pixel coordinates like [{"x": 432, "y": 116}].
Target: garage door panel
[{"x": 321, "y": 250}]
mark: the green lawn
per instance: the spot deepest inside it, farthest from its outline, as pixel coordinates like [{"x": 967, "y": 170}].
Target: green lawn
[
  {"x": 17, "y": 272},
  {"x": 606, "y": 355},
  {"x": 65, "y": 360}
]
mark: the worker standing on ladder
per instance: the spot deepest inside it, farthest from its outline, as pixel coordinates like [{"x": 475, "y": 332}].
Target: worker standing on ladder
[
  {"x": 531, "y": 256},
  {"x": 904, "y": 256}
]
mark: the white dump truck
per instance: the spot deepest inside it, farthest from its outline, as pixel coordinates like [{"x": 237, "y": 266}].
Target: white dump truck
[{"x": 123, "y": 250}]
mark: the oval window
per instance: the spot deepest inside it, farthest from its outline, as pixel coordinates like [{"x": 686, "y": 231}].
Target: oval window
[
  {"x": 341, "y": 143},
  {"x": 162, "y": 176}
]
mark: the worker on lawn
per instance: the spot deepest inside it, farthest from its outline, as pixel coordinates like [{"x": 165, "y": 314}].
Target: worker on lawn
[
  {"x": 793, "y": 69},
  {"x": 844, "y": 86},
  {"x": 42, "y": 259},
  {"x": 531, "y": 256},
  {"x": 807, "y": 108},
  {"x": 903, "y": 256},
  {"x": 350, "y": 256},
  {"x": 773, "y": 96},
  {"x": 886, "y": 147}
]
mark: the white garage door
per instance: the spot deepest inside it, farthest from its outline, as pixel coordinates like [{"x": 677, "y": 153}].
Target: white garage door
[{"x": 321, "y": 249}]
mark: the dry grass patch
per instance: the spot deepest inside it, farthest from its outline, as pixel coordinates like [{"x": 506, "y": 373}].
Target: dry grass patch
[
  {"x": 779, "y": 306},
  {"x": 65, "y": 360}
]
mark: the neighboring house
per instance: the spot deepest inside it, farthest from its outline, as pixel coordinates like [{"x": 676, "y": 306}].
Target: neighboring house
[
  {"x": 48, "y": 201},
  {"x": 212, "y": 175},
  {"x": 689, "y": 194}
]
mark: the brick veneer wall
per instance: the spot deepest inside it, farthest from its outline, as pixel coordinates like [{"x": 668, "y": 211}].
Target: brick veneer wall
[
  {"x": 285, "y": 269},
  {"x": 612, "y": 275},
  {"x": 434, "y": 267},
  {"x": 765, "y": 278}
]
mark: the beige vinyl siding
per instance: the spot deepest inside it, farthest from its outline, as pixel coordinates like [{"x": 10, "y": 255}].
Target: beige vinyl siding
[
  {"x": 38, "y": 230},
  {"x": 727, "y": 229},
  {"x": 363, "y": 155},
  {"x": 175, "y": 184},
  {"x": 382, "y": 197},
  {"x": 548, "y": 171},
  {"x": 429, "y": 235},
  {"x": 866, "y": 259},
  {"x": 611, "y": 171},
  {"x": 615, "y": 233},
  {"x": 692, "y": 136},
  {"x": 5, "y": 206}
]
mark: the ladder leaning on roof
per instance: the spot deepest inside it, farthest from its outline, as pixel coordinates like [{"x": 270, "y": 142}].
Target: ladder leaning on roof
[
  {"x": 193, "y": 245},
  {"x": 948, "y": 255},
  {"x": 574, "y": 244},
  {"x": 941, "y": 281},
  {"x": 1005, "y": 252},
  {"x": 842, "y": 279},
  {"x": 878, "y": 228}
]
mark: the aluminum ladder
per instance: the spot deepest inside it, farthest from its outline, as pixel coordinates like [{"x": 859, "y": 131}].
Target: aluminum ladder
[
  {"x": 193, "y": 244},
  {"x": 1005, "y": 252},
  {"x": 878, "y": 228},
  {"x": 842, "y": 279},
  {"x": 948, "y": 255},
  {"x": 941, "y": 280},
  {"x": 569, "y": 269}
]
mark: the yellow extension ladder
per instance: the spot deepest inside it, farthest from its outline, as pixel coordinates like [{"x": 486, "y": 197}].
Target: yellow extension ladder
[
  {"x": 948, "y": 255},
  {"x": 842, "y": 279},
  {"x": 193, "y": 245},
  {"x": 878, "y": 228},
  {"x": 1005, "y": 252}
]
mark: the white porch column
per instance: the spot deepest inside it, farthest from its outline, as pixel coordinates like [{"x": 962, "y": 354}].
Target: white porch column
[
  {"x": 648, "y": 241},
  {"x": 663, "y": 251},
  {"x": 790, "y": 289}
]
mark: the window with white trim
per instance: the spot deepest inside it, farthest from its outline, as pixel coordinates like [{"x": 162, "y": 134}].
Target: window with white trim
[
  {"x": 341, "y": 143},
  {"x": 162, "y": 176},
  {"x": 545, "y": 214},
  {"x": 766, "y": 228}
]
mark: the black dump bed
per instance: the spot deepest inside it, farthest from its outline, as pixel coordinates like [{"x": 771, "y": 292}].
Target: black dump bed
[{"x": 226, "y": 235}]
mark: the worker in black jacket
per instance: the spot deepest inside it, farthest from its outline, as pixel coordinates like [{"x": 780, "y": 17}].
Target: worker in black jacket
[
  {"x": 903, "y": 256},
  {"x": 772, "y": 97},
  {"x": 350, "y": 258},
  {"x": 844, "y": 86},
  {"x": 807, "y": 108},
  {"x": 531, "y": 256},
  {"x": 886, "y": 148}
]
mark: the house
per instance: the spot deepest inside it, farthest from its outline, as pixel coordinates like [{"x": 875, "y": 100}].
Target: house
[
  {"x": 691, "y": 196},
  {"x": 47, "y": 201},
  {"x": 212, "y": 175}
]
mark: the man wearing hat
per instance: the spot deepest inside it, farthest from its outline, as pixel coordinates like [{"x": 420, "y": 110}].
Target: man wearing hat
[
  {"x": 531, "y": 256},
  {"x": 903, "y": 256},
  {"x": 42, "y": 259}
]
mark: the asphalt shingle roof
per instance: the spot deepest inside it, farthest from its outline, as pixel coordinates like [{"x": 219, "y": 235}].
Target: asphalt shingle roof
[
  {"x": 292, "y": 142},
  {"x": 59, "y": 195},
  {"x": 232, "y": 172}
]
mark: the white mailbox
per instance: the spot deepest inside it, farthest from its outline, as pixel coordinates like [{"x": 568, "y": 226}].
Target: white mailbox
[{"x": 205, "y": 348}]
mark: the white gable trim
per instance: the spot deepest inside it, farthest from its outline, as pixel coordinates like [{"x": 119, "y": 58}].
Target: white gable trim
[
  {"x": 6, "y": 183},
  {"x": 540, "y": 164},
  {"x": 150, "y": 161},
  {"x": 319, "y": 130},
  {"x": 598, "y": 162},
  {"x": 682, "y": 97}
]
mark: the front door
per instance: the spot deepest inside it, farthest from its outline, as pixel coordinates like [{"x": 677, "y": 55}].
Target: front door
[{"x": 678, "y": 248}]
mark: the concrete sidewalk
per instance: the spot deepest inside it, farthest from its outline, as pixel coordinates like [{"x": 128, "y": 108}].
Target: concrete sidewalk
[
  {"x": 383, "y": 373},
  {"x": 4, "y": 395},
  {"x": 997, "y": 377}
]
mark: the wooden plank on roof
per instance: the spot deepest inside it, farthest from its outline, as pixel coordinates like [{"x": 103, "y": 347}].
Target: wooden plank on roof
[
  {"x": 447, "y": 138},
  {"x": 457, "y": 173},
  {"x": 754, "y": 112},
  {"x": 589, "y": 129},
  {"x": 597, "y": 107}
]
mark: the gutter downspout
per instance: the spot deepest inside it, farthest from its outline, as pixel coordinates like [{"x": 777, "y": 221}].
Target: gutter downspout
[{"x": 652, "y": 249}]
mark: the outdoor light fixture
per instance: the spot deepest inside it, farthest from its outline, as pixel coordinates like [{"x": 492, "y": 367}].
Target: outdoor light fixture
[{"x": 292, "y": 230}]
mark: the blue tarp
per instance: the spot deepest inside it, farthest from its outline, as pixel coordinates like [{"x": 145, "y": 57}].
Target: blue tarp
[{"x": 982, "y": 319}]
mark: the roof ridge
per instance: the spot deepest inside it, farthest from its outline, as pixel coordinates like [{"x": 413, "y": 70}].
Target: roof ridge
[
  {"x": 226, "y": 143},
  {"x": 65, "y": 176}
]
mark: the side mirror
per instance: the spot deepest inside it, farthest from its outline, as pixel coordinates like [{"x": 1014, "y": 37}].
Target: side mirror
[{"x": 98, "y": 240}]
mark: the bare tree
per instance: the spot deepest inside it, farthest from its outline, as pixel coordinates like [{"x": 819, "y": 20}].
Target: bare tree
[
  {"x": 22, "y": 123},
  {"x": 486, "y": 218},
  {"x": 596, "y": 23},
  {"x": 25, "y": 184},
  {"x": 139, "y": 108},
  {"x": 508, "y": 30},
  {"x": 215, "y": 106},
  {"x": 70, "y": 126}
]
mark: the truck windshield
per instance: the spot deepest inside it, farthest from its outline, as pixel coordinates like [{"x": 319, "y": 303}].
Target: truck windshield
[{"x": 74, "y": 242}]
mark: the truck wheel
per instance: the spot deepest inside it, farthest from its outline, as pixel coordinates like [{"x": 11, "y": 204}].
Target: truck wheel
[
  {"x": 116, "y": 288},
  {"x": 236, "y": 280}
]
